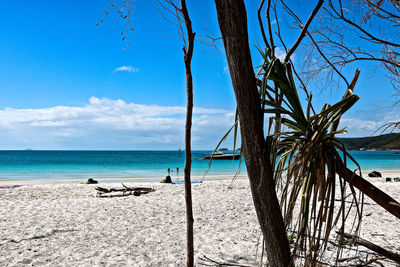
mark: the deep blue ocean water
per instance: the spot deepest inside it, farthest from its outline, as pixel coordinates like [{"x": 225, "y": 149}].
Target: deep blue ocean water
[{"x": 141, "y": 165}]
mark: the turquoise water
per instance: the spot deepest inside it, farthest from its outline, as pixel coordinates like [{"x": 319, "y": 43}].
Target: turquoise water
[
  {"x": 376, "y": 160},
  {"x": 141, "y": 165},
  {"x": 103, "y": 165}
]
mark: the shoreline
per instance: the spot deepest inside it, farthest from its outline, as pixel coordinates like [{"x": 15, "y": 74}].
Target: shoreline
[{"x": 145, "y": 180}]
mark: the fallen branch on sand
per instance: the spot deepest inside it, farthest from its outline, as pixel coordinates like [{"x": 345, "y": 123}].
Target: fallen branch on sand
[
  {"x": 360, "y": 241},
  {"x": 206, "y": 261},
  {"x": 377, "y": 195},
  {"x": 373, "y": 260},
  {"x": 123, "y": 192}
]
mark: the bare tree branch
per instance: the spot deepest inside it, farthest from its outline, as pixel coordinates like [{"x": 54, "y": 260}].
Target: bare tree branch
[
  {"x": 260, "y": 22},
  {"x": 125, "y": 10},
  {"x": 372, "y": 37},
  {"x": 271, "y": 38},
  {"x": 327, "y": 60},
  {"x": 304, "y": 30},
  {"x": 364, "y": 30}
]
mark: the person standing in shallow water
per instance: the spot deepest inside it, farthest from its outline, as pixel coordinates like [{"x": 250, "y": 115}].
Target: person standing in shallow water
[
  {"x": 177, "y": 171},
  {"x": 169, "y": 171}
]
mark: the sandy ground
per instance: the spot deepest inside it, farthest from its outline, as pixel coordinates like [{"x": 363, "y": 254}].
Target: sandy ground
[{"x": 67, "y": 225}]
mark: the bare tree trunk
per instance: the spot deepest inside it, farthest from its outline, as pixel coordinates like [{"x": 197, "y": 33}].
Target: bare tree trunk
[
  {"x": 188, "y": 53},
  {"x": 233, "y": 24}
]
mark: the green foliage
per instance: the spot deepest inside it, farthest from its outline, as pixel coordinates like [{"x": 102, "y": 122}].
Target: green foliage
[
  {"x": 307, "y": 154},
  {"x": 385, "y": 141},
  {"x": 305, "y": 157}
]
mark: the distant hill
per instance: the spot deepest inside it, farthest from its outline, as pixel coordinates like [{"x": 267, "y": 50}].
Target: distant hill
[{"x": 382, "y": 142}]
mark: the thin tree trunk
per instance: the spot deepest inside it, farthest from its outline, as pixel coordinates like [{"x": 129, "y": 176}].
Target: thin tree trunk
[
  {"x": 233, "y": 24},
  {"x": 188, "y": 53},
  {"x": 377, "y": 195}
]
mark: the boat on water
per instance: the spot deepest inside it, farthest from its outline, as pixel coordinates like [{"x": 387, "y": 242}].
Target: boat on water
[{"x": 221, "y": 155}]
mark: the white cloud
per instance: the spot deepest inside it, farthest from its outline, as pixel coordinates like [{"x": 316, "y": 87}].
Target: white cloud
[
  {"x": 126, "y": 68},
  {"x": 367, "y": 122},
  {"x": 115, "y": 124},
  {"x": 110, "y": 124},
  {"x": 280, "y": 53}
]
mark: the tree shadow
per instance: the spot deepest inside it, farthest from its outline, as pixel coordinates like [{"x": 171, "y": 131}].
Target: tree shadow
[{"x": 37, "y": 236}]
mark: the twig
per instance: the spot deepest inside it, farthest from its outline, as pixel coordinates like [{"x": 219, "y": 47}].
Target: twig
[
  {"x": 327, "y": 60},
  {"x": 221, "y": 264},
  {"x": 348, "y": 259},
  {"x": 355, "y": 25},
  {"x": 366, "y": 263},
  {"x": 360, "y": 241}
]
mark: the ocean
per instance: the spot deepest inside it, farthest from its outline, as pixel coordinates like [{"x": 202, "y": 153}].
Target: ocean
[
  {"x": 376, "y": 160},
  {"x": 140, "y": 166},
  {"x": 137, "y": 166}
]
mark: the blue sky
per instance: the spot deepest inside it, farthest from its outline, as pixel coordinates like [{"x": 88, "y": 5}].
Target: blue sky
[{"x": 66, "y": 83}]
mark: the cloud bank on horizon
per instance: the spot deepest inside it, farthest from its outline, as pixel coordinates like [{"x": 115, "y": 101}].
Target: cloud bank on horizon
[
  {"x": 110, "y": 124},
  {"x": 114, "y": 124}
]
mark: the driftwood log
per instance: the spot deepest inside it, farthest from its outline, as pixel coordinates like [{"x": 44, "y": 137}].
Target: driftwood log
[
  {"x": 122, "y": 192},
  {"x": 384, "y": 252}
]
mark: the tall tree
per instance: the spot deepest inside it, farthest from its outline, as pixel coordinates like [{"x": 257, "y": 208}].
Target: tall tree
[
  {"x": 124, "y": 8},
  {"x": 308, "y": 139},
  {"x": 256, "y": 149},
  {"x": 188, "y": 53}
]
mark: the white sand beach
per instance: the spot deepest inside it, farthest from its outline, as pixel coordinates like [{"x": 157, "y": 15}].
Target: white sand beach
[{"x": 67, "y": 225}]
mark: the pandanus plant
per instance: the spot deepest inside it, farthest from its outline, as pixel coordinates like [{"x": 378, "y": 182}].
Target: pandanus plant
[{"x": 306, "y": 156}]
